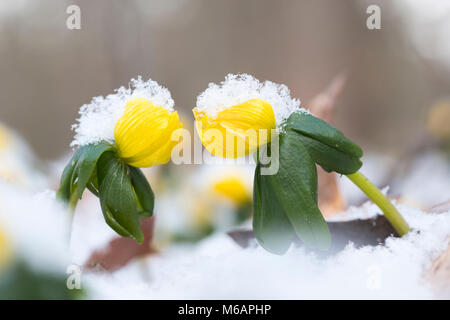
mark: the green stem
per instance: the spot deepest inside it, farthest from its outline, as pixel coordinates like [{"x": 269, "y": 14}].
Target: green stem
[
  {"x": 390, "y": 212},
  {"x": 73, "y": 200}
]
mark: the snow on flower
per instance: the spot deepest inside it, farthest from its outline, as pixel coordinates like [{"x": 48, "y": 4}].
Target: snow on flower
[
  {"x": 236, "y": 117},
  {"x": 239, "y": 88},
  {"x": 99, "y": 117}
]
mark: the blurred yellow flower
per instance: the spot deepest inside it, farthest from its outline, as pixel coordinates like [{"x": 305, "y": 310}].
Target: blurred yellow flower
[
  {"x": 202, "y": 214},
  {"x": 5, "y": 137},
  {"x": 238, "y": 130},
  {"x": 5, "y": 250},
  {"x": 143, "y": 133},
  {"x": 232, "y": 188},
  {"x": 438, "y": 121}
]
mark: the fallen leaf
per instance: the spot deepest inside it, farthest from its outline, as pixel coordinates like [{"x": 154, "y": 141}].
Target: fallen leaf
[
  {"x": 440, "y": 207},
  {"x": 120, "y": 251}
]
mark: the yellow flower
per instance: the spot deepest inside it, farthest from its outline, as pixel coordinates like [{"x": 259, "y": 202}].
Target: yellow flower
[
  {"x": 5, "y": 250},
  {"x": 232, "y": 188},
  {"x": 5, "y": 137},
  {"x": 238, "y": 130},
  {"x": 143, "y": 133},
  {"x": 438, "y": 120},
  {"x": 202, "y": 213}
]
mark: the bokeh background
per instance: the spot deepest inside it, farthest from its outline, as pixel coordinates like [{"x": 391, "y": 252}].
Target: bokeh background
[{"x": 394, "y": 75}]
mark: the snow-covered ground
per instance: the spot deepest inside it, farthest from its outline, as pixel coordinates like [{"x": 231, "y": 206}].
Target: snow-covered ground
[{"x": 217, "y": 268}]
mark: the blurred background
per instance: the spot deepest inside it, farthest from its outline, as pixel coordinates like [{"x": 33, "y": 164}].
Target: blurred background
[{"x": 395, "y": 75}]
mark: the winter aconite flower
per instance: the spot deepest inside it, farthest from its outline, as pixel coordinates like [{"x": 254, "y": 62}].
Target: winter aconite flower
[
  {"x": 211, "y": 198},
  {"x": 232, "y": 188},
  {"x": 143, "y": 133},
  {"x": 5, "y": 137},
  {"x": 226, "y": 201},
  {"x": 236, "y": 117},
  {"x": 284, "y": 200},
  {"x": 17, "y": 161},
  {"x": 439, "y": 119},
  {"x": 115, "y": 136},
  {"x": 247, "y": 124}
]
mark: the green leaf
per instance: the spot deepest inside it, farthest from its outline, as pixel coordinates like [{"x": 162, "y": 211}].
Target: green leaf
[
  {"x": 109, "y": 218},
  {"x": 92, "y": 189},
  {"x": 87, "y": 163},
  {"x": 292, "y": 192},
  {"x": 295, "y": 188},
  {"x": 21, "y": 281},
  {"x": 330, "y": 159},
  {"x": 319, "y": 130},
  {"x": 78, "y": 173},
  {"x": 73, "y": 179},
  {"x": 143, "y": 191},
  {"x": 66, "y": 184},
  {"x": 117, "y": 198},
  {"x": 271, "y": 227}
]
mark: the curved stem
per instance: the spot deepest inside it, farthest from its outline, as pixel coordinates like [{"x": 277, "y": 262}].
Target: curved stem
[{"x": 390, "y": 212}]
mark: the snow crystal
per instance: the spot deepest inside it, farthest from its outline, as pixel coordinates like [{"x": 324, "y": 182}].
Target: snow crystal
[
  {"x": 98, "y": 118},
  {"x": 243, "y": 87}
]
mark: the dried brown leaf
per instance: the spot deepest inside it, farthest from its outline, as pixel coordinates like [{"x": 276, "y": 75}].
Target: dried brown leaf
[
  {"x": 120, "y": 251},
  {"x": 323, "y": 106}
]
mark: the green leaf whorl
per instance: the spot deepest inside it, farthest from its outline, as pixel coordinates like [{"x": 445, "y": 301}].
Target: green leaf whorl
[{"x": 124, "y": 193}]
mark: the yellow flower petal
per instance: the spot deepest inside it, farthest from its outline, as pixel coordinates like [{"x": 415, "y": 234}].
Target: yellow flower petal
[
  {"x": 236, "y": 131},
  {"x": 143, "y": 133}
]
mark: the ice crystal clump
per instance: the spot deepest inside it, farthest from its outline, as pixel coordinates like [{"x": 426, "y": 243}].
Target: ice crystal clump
[
  {"x": 238, "y": 88},
  {"x": 98, "y": 118}
]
